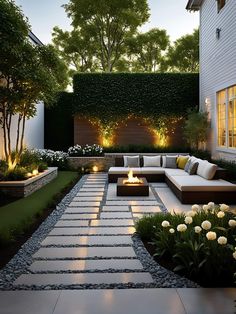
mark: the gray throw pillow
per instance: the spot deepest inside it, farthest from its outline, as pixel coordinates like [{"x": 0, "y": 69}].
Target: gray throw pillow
[
  {"x": 132, "y": 162},
  {"x": 192, "y": 168},
  {"x": 171, "y": 162},
  {"x": 187, "y": 165}
]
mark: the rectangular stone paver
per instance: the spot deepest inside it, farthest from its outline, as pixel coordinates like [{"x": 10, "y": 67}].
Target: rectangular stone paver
[
  {"x": 86, "y": 198},
  {"x": 93, "y": 185},
  {"x": 87, "y": 240},
  {"x": 93, "y": 231},
  {"x": 84, "y": 252},
  {"x": 134, "y": 203},
  {"x": 115, "y": 208},
  {"x": 82, "y": 210},
  {"x": 72, "y": 223},
  {"x": 90, "y": 194},
  {"x": 112, "y": 222},
  {"x": 86, "y": 278},
  {"x": 116, "y": 215},
  {"x": 83, "y": 265},
  {"x": 146, "y": 209},
  {"x": 84, "y": 204},
  {"x": 91, "y": 189},
  {"x": 78, "y": 216}
]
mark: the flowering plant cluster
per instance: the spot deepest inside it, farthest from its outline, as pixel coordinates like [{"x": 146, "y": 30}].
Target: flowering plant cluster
[
  {"x": 200, "y": 242},
  {"x": 87, "y": 150},
  {"x": 53, "y": 158}
]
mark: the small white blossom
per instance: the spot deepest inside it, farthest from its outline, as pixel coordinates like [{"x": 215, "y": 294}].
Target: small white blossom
[
  {"x": 220, "y": 214},
  {"x": 195, "y": 207},
  {"x": 181, "y": 228},
  {"x": 224, "y": 207},
  {"x": 197, "y": 229},
  {"x": 190, "y": 213},
  {"x": 222, "y": 240},
  {"x": 188, "y": 220},
  {"x": 205, "y": 207},
  {"x": 206, "y": 225},
  {"x": 211, "y": 204},
  {"x": 232, "y": 223},
  {"x": 211, "y": 235},
  {"x": 165, "y": 224},
  {"x": 234, "y": 255},
  {"x": 172, "y": 230}
]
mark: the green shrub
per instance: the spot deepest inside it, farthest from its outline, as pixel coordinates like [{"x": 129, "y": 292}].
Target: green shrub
[
  {"x": 145, "y": 149},
  {"x": 228, "y": 165},
  {"x": 201, "y": 243},
  {"x": 17, "y": 174},
  {"x": 29, "y": 157}
]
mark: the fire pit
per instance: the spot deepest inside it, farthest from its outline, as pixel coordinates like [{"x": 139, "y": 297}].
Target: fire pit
[{"x": 133, "y": 186}]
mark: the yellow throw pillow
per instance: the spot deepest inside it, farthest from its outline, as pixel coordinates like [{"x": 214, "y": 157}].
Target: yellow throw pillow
[{"x": 181, "y": 161}]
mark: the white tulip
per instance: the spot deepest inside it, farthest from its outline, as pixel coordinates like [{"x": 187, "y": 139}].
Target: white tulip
[
  {"x": 211, "y": 235},
  {"x": 222, "y": 240},
  {"x": 220, "y": 214},
  {"x": 188, "y": 220},
  {"x": 181, "y": 228},
  {"x": 232, "y": 223},
  {"x": 234, "y": 255},
  {"x": 190, "y": 213},
  {"x": 206, "y": 225},
  {"x": 195, "y": 207},
  {"x": 224, "y": 207},
  {"x": 165, "y": 224},
  {"x": 205, "y": 207},
  {"x": 197, "y": 229},
  {"x": 172, "y": 230}
]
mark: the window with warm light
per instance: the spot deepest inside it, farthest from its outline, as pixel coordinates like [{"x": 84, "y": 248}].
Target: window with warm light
[
  {"x": 220, "y": 4},
  {"x": 226, "y": 117}
]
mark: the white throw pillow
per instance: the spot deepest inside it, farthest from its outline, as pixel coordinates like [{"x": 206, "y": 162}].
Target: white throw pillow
[
  {"x": 151, "y": 161},
  {"x": 208, "y": 171},
  {"x": 131, "y": 161}
]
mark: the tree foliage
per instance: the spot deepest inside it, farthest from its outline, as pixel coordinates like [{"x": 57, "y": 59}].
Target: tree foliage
[
  {"x": 196, "y": 128},
  {"x": 28, "y": 74},
  {"x": 183, "y": 56},
  {"x": 108, "y": 23}
]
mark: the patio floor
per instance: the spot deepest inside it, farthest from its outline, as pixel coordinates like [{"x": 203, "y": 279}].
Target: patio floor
[{"x": 90, "y": 250}]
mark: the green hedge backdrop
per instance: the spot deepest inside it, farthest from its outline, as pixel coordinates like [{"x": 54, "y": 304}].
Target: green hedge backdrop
[{"x": 110, "y": 97}]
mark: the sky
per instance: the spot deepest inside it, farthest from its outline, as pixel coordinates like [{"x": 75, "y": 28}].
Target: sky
[{"x": 171, "y": 15}]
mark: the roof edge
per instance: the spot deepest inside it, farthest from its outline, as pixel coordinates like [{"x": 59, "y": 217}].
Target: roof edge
[{"x": 194, "y": 5}]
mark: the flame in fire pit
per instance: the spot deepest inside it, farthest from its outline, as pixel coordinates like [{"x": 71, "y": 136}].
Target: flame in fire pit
[{"x": 132, "y": 179}]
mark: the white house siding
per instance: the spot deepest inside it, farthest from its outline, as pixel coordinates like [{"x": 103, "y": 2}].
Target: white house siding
[
  {"x": 217, "y": 62},
  {"x": 34, "y": 131}
]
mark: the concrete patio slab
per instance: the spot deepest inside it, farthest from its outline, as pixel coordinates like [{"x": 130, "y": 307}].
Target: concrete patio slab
[
  {"x": 112, "y": 222},
  {"x": 78, "y": 216},
  {"x": 145, "y": 209},
  {"x": 82, "y": 210},
  {"x": 115, "y": 208},
  {"x": 115, "y": 215},
  {"x": 72, "y": 223},
  {"x": 84, "y": 204}
]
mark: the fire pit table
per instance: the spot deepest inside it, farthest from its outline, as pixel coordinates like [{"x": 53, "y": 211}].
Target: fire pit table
[{"x": 125, "y": 188}]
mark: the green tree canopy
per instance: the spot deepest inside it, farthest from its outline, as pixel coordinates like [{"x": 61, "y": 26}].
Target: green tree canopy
[
  {"x": 183, "y": 56},
  {"x": 146, "y": 50},
  {"x": 28, "y": 74},
  {"x": 109, "y": 23}
]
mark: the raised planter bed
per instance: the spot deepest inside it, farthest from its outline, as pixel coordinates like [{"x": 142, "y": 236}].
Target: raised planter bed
[{"x": 24, "y": 188}]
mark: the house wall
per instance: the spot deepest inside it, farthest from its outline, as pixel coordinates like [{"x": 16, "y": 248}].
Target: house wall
[
  {"x": 34, "y": 130},
  {"x": 217, "y": 62}
]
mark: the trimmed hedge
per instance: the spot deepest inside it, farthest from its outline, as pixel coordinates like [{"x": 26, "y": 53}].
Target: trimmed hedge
[
  {"x": 109, "y": 96},
  {"x": 59, "y": 124}
]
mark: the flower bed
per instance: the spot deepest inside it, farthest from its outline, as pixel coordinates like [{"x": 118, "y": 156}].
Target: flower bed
[
  {"x": 199, "y": 244},
  {"x": 24, "y": 188}
]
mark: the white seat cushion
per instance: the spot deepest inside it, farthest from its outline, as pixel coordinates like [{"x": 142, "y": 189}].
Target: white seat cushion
[
  {"x": 197, "y": 183},
  {"x": 152, "y": 170},
  {"x": 175, "y": 172},
  {"x": 123, "y": 170}
]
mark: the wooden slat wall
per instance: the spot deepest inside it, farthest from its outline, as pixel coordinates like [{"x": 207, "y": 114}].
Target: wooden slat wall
[{"x": 85, "y": 132}]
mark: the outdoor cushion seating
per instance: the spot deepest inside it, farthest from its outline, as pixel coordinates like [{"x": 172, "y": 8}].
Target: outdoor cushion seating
[{"x": 208, "y": 184}]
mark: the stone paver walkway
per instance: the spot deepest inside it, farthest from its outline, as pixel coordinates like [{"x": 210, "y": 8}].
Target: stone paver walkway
[{"x": 90, "y": 250}]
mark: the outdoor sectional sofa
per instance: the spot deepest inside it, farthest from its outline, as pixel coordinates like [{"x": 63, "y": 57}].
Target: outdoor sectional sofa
[{"x": 189, "y": 189}]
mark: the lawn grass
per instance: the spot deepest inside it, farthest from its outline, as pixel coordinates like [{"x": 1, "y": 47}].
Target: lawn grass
[{"x": 19, "y": 215}]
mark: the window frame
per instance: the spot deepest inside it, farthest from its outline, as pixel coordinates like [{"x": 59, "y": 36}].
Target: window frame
[
  {"x": 225, "y": 147},
  {"x": 220, "y": 5}
]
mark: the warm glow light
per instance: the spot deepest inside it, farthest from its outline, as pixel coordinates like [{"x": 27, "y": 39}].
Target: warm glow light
[
  {"x": 29, "y": 174},
  {"x": 35, "y": 172},
  {"x": 95, "y": 168},
  {"x": 132, "y": 179},
  {"x": 106, "y": 142}
]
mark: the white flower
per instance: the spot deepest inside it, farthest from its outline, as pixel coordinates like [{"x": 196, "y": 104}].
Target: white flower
[
  {"x": 165, "y": 224},
  {"x": 234, "y": 255},
  {"x": 188, "y": 220},
  {"x": 211, "y": 204},
  {"x": 195, "y": 207},
  {"x": 232, "y": 223},
  {"x": 172, "y": 230},
  {"x": 224, "y": 207},
  {"x": 205, "y": 207},
  {"x": 190, "y": 213},
  {"x": 197, "y": 229},
  {"x": 220, "y": 214},
  {"x": 222, "y": 240},
  {"x": 211, "y": 235},
  {"x": 181, "y": 228},
  {"x": 206, "y": 225}
]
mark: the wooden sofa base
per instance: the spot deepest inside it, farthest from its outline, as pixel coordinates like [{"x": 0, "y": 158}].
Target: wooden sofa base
[{"x": 201, "y": 197}]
